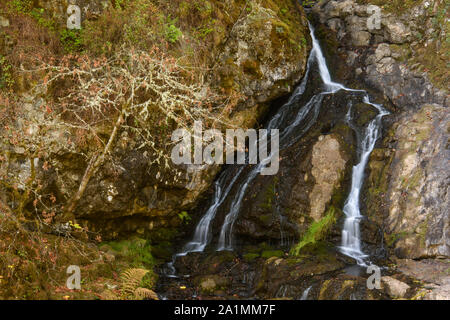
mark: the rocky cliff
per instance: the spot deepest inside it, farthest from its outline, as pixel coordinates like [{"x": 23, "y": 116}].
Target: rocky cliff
[
  {"x": 256, "y": 50},
  {"x": 407, "y": 189},
  {"x": 391, "y": 59}
]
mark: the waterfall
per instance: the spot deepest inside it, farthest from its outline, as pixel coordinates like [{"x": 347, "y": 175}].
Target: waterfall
[
  {"x": 291, "y": 129},
  {"x": 305, "y": 293},
  {"x": 351, "y": 243},
  {"x": 203, "y": 231}
]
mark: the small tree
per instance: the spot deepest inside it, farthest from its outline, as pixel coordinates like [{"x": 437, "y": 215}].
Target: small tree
[{"x": 132, "y": 91}]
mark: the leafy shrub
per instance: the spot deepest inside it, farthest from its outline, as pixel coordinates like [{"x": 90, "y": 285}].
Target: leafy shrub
[
  {"x": 22, "y": 6},
  {"x": 133, "y": 23},
  {"x": 184, "y": 216},
  {"x": 6, "y": 79},
  {"x": 71, "y": 40},
  {"x": 171, "y": 32},
  {"x": 38, "y": 15}
]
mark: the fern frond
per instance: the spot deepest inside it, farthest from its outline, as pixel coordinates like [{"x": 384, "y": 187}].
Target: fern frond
[
  {"x": 131, "y": 279},
  {"x": 144, "y": 293}
]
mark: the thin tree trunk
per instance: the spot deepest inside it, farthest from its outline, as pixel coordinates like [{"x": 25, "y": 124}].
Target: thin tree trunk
[{"x": 94, "y": 164}]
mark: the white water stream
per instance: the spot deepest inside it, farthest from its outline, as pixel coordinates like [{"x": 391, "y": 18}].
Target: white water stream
[{"x": 292, "y": 131}]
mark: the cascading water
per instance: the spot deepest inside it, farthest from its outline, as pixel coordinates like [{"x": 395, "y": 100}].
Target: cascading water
[
  {"x": 351, "y": 243},
  {"x": 291, "y": 130},
  {"x": 305, "y": 293},
  {"x": 202, "y": 233}
]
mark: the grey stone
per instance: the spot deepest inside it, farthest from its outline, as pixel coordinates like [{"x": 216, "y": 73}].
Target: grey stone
[
  {"x": 4, "y": 22},
  {"x": 396, "y": 31},
  {"x": 394, "y": 287},
  {"x": 361, "y": 38},
  {"x": 382, "y": 51}
]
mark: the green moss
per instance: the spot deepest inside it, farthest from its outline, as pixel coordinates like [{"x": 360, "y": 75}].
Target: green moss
[
  {"x": 162, "y": 234},
  {"x": 71, "y": 40},
  {"x": 316, "y": 232},
  {"x": 434, "y": 56},
  {"x": 184, "y": 217},
  {"x": 21, "y": 6},
  {"x": 393, "y": 238},
  {"x": 323, "y": 289},
  {"x": 162, "y": 250},
  {"x": 272, "y": 253},
  {"x": 413, "y": 181},
  {"x": 270, "y": 194},
  {"x": 6, "y": 77},
  {"x": 422, "y": 231},
  {"x": 404, "y": 51},
  {"x": 266, "y": 219},
  {"x": 218, "y": 258},
  {"x": 252, "y": 67},
  {"x": 137, "y": 252},
  {"x": 250, "y": 256},
  {"x": 264, "y": 246}
]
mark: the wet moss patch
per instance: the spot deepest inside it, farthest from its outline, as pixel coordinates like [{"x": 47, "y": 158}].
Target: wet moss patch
[{"x": 316, "y": 232}]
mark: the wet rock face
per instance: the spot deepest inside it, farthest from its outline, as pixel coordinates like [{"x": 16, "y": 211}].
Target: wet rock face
[
  {"x": 265, "y": 53},
  {"x": 319, "y": 276},
  {"x": 415, "y": 193},
  {"x": 313, "y": 176},
  {"x": 407, "y": 185},
  {"x": 377, "y": 54}
]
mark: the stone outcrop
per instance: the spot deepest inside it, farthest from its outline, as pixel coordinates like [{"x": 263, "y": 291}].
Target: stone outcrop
[
  {"x": 265, "y": 54},
  {"x": 327, "y": 168},
  {"x": 394, "y": 287},
  {"x": 433, "y": 273},
  {"x": 418, "y": 220},
  {"x": 377, "y": 52},
  {"x": 408, "y": 181},
  {"x": 406, "y": 190}
]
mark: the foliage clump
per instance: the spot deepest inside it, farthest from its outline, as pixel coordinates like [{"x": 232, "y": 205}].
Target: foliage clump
[{"x": 316, "y": 232}]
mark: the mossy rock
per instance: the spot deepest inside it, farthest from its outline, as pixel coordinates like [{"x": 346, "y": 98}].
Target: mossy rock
[
  {"x": 363, "y": 114},
  {"x": 211, "y": 283},
  {"x": 249, "y": 257},
  {"x": 272, "y": 253}
]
